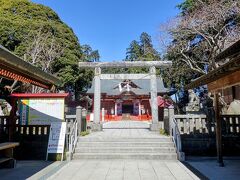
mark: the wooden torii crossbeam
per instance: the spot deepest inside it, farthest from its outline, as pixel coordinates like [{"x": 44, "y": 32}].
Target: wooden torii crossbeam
[{"x": 151, "y": 76}]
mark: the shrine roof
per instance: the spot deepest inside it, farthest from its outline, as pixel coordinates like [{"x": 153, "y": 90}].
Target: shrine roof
[
  {"x": 110, "y": 87},
  {"x": 229, "y": 52},
  {"x": 40, "y": 95},
  {"x": 13, "y": 67},
  {"x": 231, "y": 66}
]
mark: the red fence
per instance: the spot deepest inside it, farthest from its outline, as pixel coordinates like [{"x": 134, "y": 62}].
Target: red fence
[{"x": 119, "y": 118}]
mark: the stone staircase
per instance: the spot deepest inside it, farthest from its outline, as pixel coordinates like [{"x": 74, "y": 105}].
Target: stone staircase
[{"x": 161, "y": 148}]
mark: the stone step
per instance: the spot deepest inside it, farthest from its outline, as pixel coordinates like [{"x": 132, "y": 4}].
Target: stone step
[
  {"x": 125, "y": 149},
  {"x": 137, "y": 156},
  {"x": 162, "y": 139},
  {"x": 125, "y": 144}
]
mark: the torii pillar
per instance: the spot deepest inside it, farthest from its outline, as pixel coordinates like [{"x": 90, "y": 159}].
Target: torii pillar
[
  {"x": 97, "y": 100},
  {"x": 97, "y": 126},
  {"x": 154, "y": 106}
]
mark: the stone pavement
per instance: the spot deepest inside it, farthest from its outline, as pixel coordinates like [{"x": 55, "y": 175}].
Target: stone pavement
[
  {"x": 125, "y": 133},
  {"x": 125, "y": 129},
  {"x": 123, "y": 170},
  {"x": 211, "y": 170},
  {"x": 127, "y": 124}
]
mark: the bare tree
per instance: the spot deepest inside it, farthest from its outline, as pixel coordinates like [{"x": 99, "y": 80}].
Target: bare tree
[
  {"x": 42, "y": 52},
  {"x": 50, "y": 52},
  {"x": 200, "y": 35}
]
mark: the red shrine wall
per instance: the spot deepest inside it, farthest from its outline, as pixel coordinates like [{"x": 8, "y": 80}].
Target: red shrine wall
[
  {"x": 146, "y": 105},
  {"x": 108, "y": 105}
]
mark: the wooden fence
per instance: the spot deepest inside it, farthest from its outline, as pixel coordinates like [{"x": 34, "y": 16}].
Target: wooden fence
[
  {"x": 3, "y": 128},
  {"x": 230, "y": 125},
  {"x": 33, "y": 141}
]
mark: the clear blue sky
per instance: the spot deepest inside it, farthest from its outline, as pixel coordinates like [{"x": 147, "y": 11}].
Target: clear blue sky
[{"x": 110, "y": 25}]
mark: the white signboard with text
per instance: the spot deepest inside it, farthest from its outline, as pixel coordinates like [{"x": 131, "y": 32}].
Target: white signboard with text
[
  {"x": 41, "y": 111},
  {"x": 57, "y": 137}
]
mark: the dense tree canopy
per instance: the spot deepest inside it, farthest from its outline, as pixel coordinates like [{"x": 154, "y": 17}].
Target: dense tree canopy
[
  {"x": 142, "y": 50},
  {"x": 36, "y": 33}
]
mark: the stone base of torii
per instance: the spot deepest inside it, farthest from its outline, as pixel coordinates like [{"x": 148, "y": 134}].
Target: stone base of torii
[{"x": 97, "y": 126}]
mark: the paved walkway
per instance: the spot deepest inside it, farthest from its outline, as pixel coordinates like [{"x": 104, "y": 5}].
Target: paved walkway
[
  {"x": 127, "y": 125},
  {"x": 124, "y": 169},
  {"x": 131, "y": 129}
]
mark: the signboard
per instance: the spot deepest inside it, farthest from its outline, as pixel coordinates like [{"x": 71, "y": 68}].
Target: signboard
[
  {"x": 119, "y": 108},
  {"x": 41, "y": 111},
  {"x": 57, "y": 137},
  {"x": 136, "y": 106}
]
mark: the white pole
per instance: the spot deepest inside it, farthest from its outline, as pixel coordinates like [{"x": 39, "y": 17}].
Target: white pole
[{"x": 103, "y": 114}]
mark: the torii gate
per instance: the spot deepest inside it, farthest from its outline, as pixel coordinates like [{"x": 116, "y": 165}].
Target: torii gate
[{"x": 127, "y": 64}]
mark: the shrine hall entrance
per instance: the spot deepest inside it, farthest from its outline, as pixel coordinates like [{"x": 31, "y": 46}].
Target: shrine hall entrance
[{"x": 127, "y": 109}]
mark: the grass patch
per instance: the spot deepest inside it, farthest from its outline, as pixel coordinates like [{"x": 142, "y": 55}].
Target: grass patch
[
  {"x": 163, "y": 132},
  {"x": 84, "y": 133}
]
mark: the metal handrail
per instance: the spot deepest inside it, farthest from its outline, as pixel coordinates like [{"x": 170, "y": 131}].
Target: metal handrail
[
  {"x": 176, "y": 136},
  {"x": 73, "y": 137}
]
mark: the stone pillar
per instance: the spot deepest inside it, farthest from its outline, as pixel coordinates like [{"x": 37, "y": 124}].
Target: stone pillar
[
  {"x": 169, "y": 125},
  {"x": 97, "y": 99},
  {"x": 79, "y": 118},
  {"x": 154, "y": 106}
]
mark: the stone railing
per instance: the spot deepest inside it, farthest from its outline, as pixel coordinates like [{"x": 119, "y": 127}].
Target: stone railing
[
  {"x": 193, "y": 124},
  {"x": 198, "y": 124}
]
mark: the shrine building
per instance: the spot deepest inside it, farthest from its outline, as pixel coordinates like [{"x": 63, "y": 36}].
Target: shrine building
[{"x": 127, "y": 99}]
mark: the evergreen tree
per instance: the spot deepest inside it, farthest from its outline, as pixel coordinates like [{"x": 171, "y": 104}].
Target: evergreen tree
[
  {"x": 142, "y": 50},
  {"x": 134, "y": 51},
  {"x": 21, "y": 21}
]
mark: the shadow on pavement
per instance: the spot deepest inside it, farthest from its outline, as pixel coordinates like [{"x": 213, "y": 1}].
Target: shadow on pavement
[
  {"x": 23, "y": 170},
  {"x": 208, "y": 168}
]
